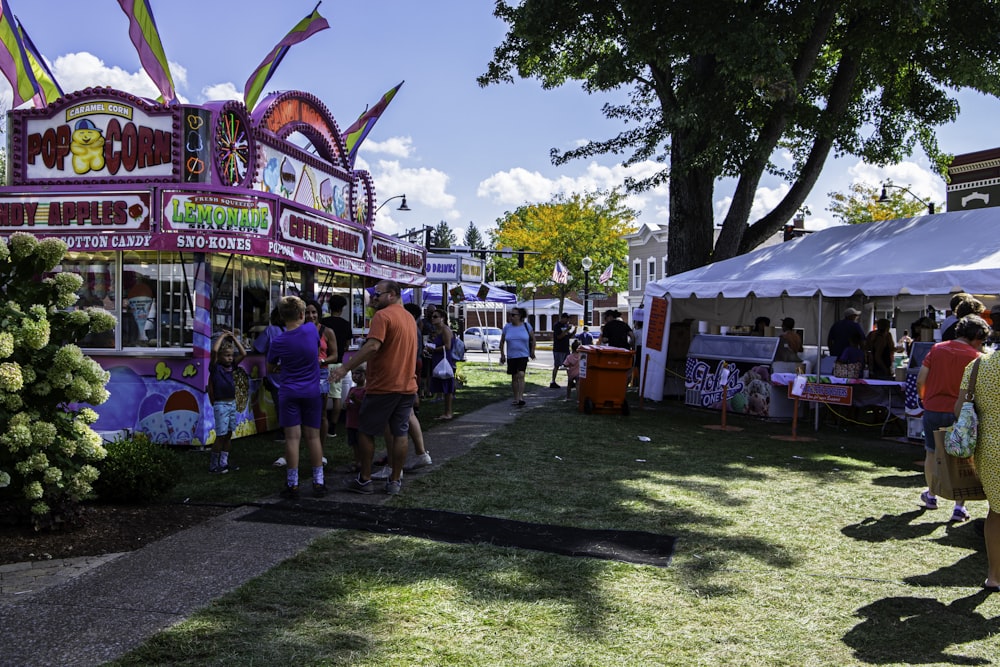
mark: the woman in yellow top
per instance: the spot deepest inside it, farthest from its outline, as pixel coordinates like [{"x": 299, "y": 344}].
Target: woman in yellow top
[{"x": 987, "y": 454}]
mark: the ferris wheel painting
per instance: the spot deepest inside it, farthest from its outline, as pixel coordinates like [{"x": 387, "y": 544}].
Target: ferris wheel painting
[{"x": 234, "y": 150}]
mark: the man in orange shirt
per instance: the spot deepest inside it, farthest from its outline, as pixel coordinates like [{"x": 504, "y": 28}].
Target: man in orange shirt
[{"x": 391, "y": 354}]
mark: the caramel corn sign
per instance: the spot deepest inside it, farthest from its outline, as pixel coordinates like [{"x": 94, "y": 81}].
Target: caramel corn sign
[{"x": 99, "y": 139}]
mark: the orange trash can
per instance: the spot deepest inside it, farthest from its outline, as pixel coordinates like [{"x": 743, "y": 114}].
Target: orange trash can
[{"x": 603, "y": 379}]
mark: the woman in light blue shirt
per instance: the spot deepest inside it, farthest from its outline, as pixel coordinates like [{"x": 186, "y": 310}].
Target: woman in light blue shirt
[{"x": 517, "y": 345}]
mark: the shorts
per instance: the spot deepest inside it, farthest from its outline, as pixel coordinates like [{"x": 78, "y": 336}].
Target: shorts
[
  {"x": 518, "y": 365},
  {"x": 300, "y": 410},
  {"x": 558, "y": 358},
  {"x": 932, "y": 422},
  {"x": 225, "y": 417},
  {"x": 336, "y": 388},
  {"x": 379, "y": 410}
]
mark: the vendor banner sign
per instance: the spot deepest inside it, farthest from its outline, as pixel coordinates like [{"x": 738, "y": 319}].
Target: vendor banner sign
[
  {"x": 108, "y": 211},
  {"x": 97, "y": 138},
  {"x": 199, "y": 211},
  {"x": 822, "y": 392},
  {"x": 320, "y": 233}
]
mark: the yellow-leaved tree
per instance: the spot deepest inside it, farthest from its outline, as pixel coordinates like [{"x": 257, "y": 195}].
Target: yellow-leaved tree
[{"x": 566, "y": 229}]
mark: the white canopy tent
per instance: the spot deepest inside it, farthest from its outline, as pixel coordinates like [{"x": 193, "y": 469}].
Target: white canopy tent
[{"x": 890, "y": 266}]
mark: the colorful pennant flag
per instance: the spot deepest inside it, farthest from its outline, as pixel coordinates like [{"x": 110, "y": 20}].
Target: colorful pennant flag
[
  {"x": 606, "y": 274},
  {"x": 146, "y": 39},
  {"x": 47, "y": 90},
  {"x": 305, "y": 29},
  {"x": 560, "y": 274},
  {"x": 14, "y": 60},
  {"x": 357, "y": 132}
]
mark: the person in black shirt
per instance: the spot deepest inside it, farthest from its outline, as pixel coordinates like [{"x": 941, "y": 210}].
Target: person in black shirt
[
  {"x": 616, "y": 332},
  {"x": 562, "y": 331},
  {"x": 342, "y": 332}
]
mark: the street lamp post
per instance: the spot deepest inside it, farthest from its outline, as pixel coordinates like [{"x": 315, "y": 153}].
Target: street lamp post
[
  {"x": 885, "y": 196},
  {"x": 587, "y": 262},
  {"x": 534, "y": 298},
  {"x": 402, "y": 206}
]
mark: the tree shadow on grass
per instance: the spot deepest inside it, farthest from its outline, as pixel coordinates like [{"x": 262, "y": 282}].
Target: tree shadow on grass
[
  {"x": 890, "y": 527},
  {"x": 918, "y": 631}
]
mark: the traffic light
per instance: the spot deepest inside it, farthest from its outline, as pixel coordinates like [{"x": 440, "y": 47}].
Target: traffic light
[{"x": 520, "y": 258}]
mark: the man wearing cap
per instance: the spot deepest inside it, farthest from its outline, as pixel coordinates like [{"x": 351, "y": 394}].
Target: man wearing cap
[
  {"x": 839, "y": 337},
  {"x": 562, "y": 331}
]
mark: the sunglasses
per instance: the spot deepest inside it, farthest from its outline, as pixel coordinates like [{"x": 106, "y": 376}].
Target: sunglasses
[
  {"x": 377, "y": 294},
  {"x": 435, "y": 317}
]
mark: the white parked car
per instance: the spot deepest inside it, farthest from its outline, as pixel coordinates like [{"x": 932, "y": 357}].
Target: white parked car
[{"x": 482, "y": 339}]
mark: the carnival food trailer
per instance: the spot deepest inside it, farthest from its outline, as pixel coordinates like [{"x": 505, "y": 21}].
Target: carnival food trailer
[{"x": 185, "y": 221}]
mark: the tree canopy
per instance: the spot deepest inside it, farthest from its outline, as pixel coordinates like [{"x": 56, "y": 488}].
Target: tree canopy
[
  {"x": 863, "y": 204},
  {"x": 567, "y": 229},
  {"x": 473, "y": 238},
  {"x": 442, "y": 236},
  {"x": 721, "y": 88}
]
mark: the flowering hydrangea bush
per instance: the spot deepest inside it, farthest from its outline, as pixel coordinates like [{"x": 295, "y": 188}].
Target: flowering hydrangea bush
[{"x": 47, "y": 446}]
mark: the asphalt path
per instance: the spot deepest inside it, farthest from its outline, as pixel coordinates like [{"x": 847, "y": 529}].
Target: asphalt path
[{"x": 543, "y": 358}]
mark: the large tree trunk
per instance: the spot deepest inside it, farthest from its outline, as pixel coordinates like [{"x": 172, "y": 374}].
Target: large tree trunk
[{"x": 689, "y": 232}]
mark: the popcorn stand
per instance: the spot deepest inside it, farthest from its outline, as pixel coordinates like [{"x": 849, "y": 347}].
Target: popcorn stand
[{"x": 185, "y": 221}]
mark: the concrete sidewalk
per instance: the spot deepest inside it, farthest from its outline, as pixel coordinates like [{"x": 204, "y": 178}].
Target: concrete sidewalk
[{"x": 87, "y": 611}]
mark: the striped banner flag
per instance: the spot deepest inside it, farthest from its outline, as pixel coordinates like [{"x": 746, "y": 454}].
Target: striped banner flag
[
  {"x": 47, "y": 90},
  {"x": 560, "y": 274},
  {"x": 302, "y": 31},
  {"x": 606, "y": 274},
  {"x": 357, "y": 132},
  {"x": 14, "y": 60},
  {"x": 146, "y": 39}
]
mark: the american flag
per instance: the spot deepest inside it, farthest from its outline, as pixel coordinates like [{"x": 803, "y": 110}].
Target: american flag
[
  {"x": 911, "y": 398},
  {"x": 559, "y": 273},
  {"x": 606, "y": 276}
]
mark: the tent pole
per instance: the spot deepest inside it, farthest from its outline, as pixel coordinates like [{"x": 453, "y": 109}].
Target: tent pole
[{"x": 819, "y": 356}]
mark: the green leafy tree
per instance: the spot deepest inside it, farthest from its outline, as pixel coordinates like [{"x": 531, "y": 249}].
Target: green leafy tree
[
  {"x": 442, "y": 236},
  {"x": 473, "y": 239},
  {"x": 716, "y": 89},
  {"x": 863, "y": 204},
  {"x": 567, "y": 229},
  {"x": 47, "y": 447}
]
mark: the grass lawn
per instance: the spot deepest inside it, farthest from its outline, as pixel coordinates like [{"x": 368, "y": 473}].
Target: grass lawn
[{"x": 789, "y": 553}]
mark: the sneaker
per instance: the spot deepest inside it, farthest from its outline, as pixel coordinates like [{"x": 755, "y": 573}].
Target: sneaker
[
  {"x": 289, "y": 492},
  {"x": 393, "y": 488},
  {"x": 384, "y": 473},
  {"x": 357, "y": 486},
  {"x": 421, "y": 461},
  {"x": 319, "y": 490},
  {"x": 960, "y": 514},
  {"x": 553, "y": 385},
  {"x": 218, "y": 470},
  {"x": 929, "y": 502},
  {"x": 280, "y": 462}
]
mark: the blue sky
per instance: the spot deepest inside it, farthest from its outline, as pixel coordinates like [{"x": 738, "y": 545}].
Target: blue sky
[{"x": 459, "y": 152}]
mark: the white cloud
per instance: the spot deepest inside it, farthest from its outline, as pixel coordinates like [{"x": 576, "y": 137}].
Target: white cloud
[
  {"x": 401, "y": 147},
  {"x": 922, "y": 181},
  {"x": 517, "y": 186},
  {"x": 221, "y": 91},
  {"x": 426, "y": 193},
  {"x": 76, "y": 71}
]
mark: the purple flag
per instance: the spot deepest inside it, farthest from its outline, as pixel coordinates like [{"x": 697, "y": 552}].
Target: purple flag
[
  {"x": 303, "y": 30},
  {"x": 146, "y": 39}
]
